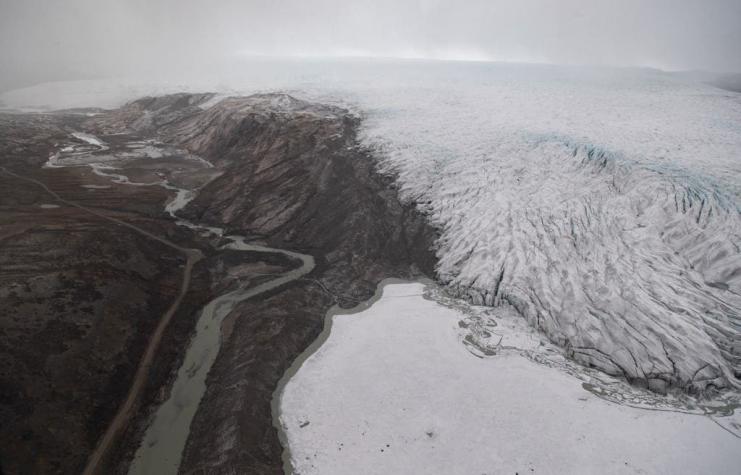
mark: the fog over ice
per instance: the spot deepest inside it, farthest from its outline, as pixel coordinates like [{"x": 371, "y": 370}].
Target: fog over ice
[{"x": 42, "y": 40}]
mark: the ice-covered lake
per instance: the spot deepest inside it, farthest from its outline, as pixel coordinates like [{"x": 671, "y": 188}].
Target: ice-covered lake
[
  {"x": 603, "y": 204},
  {"x": 393, "y": 390}
]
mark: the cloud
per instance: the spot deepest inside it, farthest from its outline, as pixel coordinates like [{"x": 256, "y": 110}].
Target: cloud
[{"x": 42, "y": 39}]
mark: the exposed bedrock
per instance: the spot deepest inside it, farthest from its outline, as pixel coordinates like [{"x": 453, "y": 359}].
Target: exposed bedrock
[{"x": 292, "y": 175}]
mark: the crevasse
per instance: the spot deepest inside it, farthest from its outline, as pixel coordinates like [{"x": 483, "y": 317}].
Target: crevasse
[{"x": 634, "y": 268}]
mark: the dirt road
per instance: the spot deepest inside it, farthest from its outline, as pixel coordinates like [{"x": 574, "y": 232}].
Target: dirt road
[{"x": 121, "y": 418}]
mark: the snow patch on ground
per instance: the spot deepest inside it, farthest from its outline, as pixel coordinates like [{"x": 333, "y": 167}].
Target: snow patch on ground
[{"x": 89, "y": 138}]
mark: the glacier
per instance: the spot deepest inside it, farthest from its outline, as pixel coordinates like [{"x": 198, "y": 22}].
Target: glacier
[
  {"x": 604, "y": 209},
  {"x": 604, "y": 205}
]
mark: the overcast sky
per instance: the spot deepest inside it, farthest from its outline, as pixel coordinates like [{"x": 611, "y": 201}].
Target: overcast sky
[{"x": 57, "y": 39}]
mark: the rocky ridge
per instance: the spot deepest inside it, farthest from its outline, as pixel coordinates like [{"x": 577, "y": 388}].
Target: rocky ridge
[{"x": 291, "y": 174}]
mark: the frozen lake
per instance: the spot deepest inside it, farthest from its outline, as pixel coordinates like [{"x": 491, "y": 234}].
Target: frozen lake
[{"x": 394, "y": 390}]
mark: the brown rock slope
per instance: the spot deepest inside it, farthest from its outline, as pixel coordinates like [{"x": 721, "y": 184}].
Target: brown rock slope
[{"x": 293, "y": 176}]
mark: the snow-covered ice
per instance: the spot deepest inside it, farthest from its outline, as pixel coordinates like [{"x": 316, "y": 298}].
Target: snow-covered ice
[
  {"x": 393, "y": 390},
  {"x": 603, "y": 205}
]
